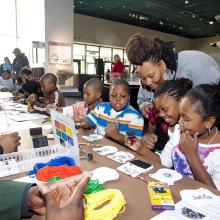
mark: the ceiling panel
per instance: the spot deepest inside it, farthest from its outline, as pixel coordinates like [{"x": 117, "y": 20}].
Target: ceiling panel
[{"x": 188, "y": 18}]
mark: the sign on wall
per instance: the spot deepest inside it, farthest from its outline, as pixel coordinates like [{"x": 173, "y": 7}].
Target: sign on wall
[{"x": 60, "y": 53}]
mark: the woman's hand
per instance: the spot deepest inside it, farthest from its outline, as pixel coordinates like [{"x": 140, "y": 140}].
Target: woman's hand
[{"x": 146, "y": 109}]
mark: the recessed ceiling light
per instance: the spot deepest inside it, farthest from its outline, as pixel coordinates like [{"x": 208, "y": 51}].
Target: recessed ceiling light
[
  {"x": 123, "y": 6},
  {"x": 186, "y": 2},
  {"x": 100, "y": 7},
  {"x": 160, "y": 22},
  {"x": 211, "y": 22}
]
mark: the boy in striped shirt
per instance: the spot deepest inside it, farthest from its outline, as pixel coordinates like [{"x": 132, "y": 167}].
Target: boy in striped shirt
[{"x": 114, "y": 118}]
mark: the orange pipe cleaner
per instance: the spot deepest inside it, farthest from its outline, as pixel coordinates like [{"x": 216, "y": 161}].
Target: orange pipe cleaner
[{"x": 63, "y": 171}]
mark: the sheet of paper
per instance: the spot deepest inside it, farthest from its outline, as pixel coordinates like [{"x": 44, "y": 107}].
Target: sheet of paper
[
  {"x": 47, "y": 127},
  {"x": 93, "y": 137},
  {"x": 26, "y": 179},
  {"x": 17, "y": 126},
  {"x": 184, "y": 211},
  {"x": 27, "y": 116},
  {"x": 199, "y": 197}
]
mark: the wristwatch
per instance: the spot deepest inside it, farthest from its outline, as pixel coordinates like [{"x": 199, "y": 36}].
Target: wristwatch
[{"x": 1, "y": 150}]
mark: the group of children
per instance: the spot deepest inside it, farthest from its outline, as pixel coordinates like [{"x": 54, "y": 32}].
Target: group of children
[
  {"x": 192, "y": 117},
  {"x": 189, "y": 116},
  {"x": 39, "y": 95}
]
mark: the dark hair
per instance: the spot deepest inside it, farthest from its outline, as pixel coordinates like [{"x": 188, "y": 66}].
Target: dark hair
[
  {"x": 95, "y": 83},
  {"x": 26, "y": 70},
  {"x": 50, "y": 78},
  {"x": 30, "y": 87},
  {"x": 117, "y": 82},
  {"x": 140, "y": 49},
  {"x": 206, "y": 101},
  {"x": 19, "y": 80},
  {"x": 175, "y": 88}
]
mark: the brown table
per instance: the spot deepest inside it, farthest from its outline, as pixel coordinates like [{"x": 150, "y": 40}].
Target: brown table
[{"x": 134, "y": 190}]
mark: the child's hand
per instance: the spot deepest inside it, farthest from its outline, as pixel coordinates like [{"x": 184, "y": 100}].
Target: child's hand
[
  {"x": 59, "y": 109},
  {"x": 146, "y": 109},
  {"x": 188, "y": 144},
  {"x": 112, "y": 130},
  {"x": 149, "y": 140},
  {"x": 134, "y": 144}
]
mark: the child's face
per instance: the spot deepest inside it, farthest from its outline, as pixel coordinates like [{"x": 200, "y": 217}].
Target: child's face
[
  {"x": 190, "y": 120},
  {"x": 151, "y": 74},
  {"x": 46, "y": 87},
  {"x": 119, "y": 97},
  {"x": 26, "y": 77},
  {"x": 90, "y": 95},
  {"x": 168, "y": 108}
]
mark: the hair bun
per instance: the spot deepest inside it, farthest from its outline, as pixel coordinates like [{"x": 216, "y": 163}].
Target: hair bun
[{"x": 186, "y": 83}]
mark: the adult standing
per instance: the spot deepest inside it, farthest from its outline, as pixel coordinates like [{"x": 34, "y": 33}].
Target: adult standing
[
  {"x": 118, "y": 68},
  {"x": 157, "y": 62},
  {"x": 20, "y": 61}
]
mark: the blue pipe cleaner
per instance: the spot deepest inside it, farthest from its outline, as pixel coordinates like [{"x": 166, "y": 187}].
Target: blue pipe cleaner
[{"x": 58, "y": 161}]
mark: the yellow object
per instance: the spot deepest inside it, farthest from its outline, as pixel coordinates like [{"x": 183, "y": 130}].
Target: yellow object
[
  {"x": 110, "y": 210},
  {"x": 160, "y": 196},
  {"x": 30, "y": 109}
]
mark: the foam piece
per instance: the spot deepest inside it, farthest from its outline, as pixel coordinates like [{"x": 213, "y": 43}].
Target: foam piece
[
  {"x": 166, "y": 176},
  {"x": 105, "y": 174}
]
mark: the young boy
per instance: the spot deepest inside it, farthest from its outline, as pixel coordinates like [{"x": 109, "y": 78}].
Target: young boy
[
  {"x": 116, "y": 117},
  {"x": 52, "y": 97},
  {"x": 28, "y": 86},
  {"x": 92, "y": 92}
]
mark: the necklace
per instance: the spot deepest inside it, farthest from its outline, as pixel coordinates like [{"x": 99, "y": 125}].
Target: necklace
[{"x": 216, "y": 132}]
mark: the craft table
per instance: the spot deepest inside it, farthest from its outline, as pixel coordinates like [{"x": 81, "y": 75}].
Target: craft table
[{"x": 134, "y": 190}]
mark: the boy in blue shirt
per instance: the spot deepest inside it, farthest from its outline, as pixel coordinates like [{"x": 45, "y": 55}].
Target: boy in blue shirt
[{"x": 114, "y": 118}]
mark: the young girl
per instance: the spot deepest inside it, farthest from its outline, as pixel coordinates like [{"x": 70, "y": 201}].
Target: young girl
[
  {"x": 167, "y": 99},
  {"x": 198, "y": 152}
]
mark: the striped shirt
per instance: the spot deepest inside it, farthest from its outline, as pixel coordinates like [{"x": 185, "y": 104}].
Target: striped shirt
[{"x": 128, "y": 119}]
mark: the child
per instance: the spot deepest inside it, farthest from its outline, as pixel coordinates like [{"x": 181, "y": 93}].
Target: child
[
  {"x": 52, "y": 96},
  {"x": 116, "y": 117},
  {"x": 197, "y": 154},
  {"x": 92, "y": 92},
  {"x": 28, "y": 86},
  {"x": 7, "y": 81}
]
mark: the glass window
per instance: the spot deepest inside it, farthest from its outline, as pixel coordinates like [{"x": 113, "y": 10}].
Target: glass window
[
  {"x": 126, "y": 61},
  {"x": 79, "y": 51},
  {"x": 118, "y": 52},
  {"x": 92, "y": 53},
  {"x": 106, "y": 53},
  {"x": 8, "y": 29}
]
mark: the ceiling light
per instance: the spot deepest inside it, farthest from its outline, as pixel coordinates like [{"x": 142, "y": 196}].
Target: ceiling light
[
  {"x": 80, "y": 2},
  {"x": 100, "y": 7},
  {"x": 211, "y": 22},
  {"x": 180, "y": 28},
  {"x": 193, "y": 15},
  {"x": 123, "y": 6},
  {"x": 186, "y": 2}
]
